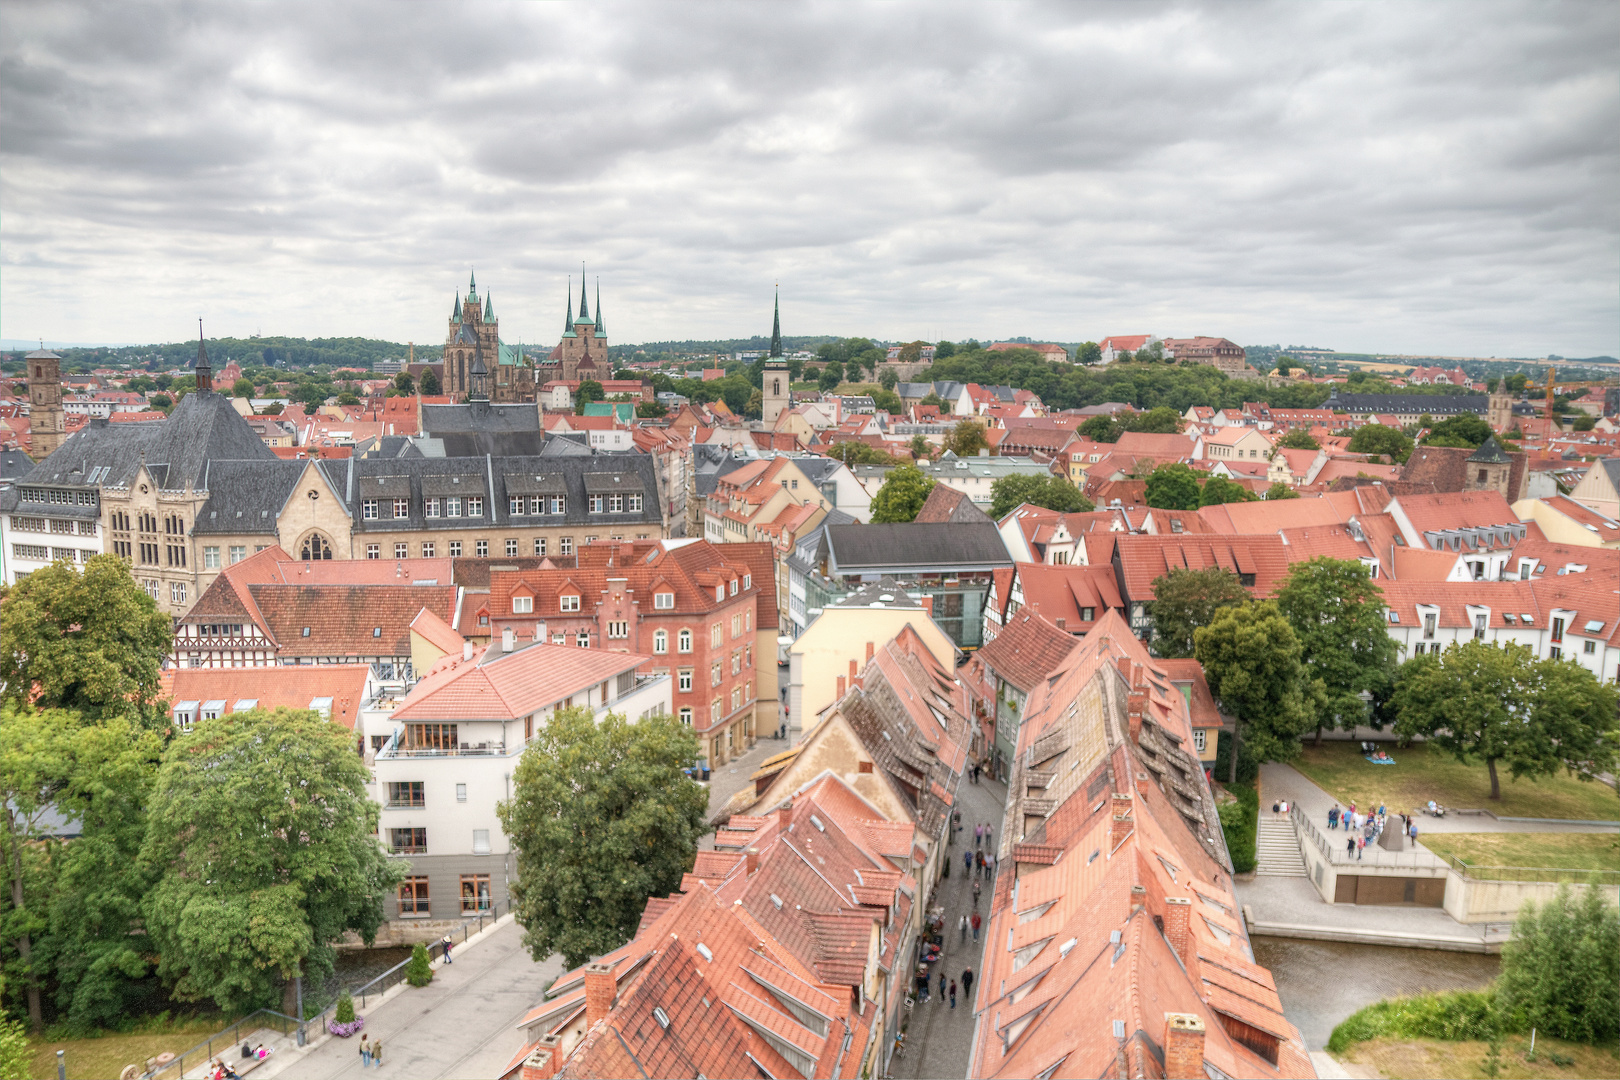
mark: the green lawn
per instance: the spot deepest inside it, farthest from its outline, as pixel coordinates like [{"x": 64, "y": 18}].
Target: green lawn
[
  {"x": 1555, "y": 851},
  {"x": 1422, "y": 773},
  {"x": 106, "y": 1055},
  {"x": 1401, "y": 1057}
]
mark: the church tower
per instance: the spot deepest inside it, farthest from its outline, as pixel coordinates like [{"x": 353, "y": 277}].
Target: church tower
[
  {"x": 474, "y": 341},
  {"x": 47, "y": 424},
  {"x": 1499, "y": 412},
  {"x": 582, "y": 352},
  {"x": 777, "y": 393}
]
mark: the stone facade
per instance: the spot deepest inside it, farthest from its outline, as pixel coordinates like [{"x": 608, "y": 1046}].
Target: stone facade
[
  {"x": 47, "y": 423},
  {"x": 476, "y": 363}
]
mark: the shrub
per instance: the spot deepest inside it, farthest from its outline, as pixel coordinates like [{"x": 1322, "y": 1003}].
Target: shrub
[
  {"x": 344, "y": 1013},
  {"x": 420, "y": 970},
  {"x": 1561, "y": 969},
  {"x": 1240, "y": 821},
  {"x": 1461, "y": 1014}
]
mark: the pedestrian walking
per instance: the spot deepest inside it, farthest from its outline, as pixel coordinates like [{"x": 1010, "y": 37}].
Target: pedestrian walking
[
  {"x": 967, "y": 862},
  {"x": 990, "y": 864},
  {"x": 365, "y": 1051},
  {"x": 447, "y": 950},
  {"x": 942, "y": 986},
  {"x": 1361, "y": 848},
  {"x": 1412, "y": 831},
  {"x": 376, "y": 1053},
  {"x": 967, "y": 981},
  {"x": 977, "y": 922},
  {"x": 978, "y": 836},
  {"x": 975, "y": 897},
  {"x": 978, "y": 867},
  {"x": 1350, "y": 846},
  {"x": 964, "y": 928},
  {"x": 1333, "y": 817},
  {"x": 953, "y": 993}
]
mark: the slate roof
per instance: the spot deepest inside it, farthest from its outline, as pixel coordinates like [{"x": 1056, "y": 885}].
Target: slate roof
[
  {"x": 913, "y": 548},
  {"x": 1433, "y": 404},
  {"x": 246, "y": 496},
  {"x": 203, "y": 427}
]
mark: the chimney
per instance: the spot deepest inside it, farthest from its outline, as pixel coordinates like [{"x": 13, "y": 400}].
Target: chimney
[
  {"x": 600, "y": 989},
  {"x": 1183, "y": 1046},
  {"x": 869, "y": 651},
  {"x": 927, "y": 605},
  {"x": 841, "y": 688},
  {"x": 1178, "y": 928},
  {"x": 508, "y": 639},
  {"x": 751, "y": 860},
  {"x": 1138, "y": 898},
  {"x": 784, "y": 816},
  {"x": 466, "y": 650},
  {"x": 1062, "y": 623},
  {"x": 1135, "y": 709},
  {"x": 1124, "y": 823},
  {"x": 852, "y": 670},
  {"x": 542, "y": 1064}
]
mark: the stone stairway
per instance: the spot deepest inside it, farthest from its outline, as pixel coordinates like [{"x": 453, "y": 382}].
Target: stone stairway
[{"x": 1277, "y": 849}]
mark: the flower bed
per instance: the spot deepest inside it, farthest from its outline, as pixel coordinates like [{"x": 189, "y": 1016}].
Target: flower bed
[{"x": 345, "y": 1030}]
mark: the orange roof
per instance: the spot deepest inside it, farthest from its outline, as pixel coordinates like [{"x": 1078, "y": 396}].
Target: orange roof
[
  {"x": 274, "y": 687},
  {"x": 496, "y": 685}
]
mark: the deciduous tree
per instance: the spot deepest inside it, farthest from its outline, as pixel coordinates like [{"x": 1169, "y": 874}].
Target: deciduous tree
[
  {"x": 1183, "y": 600},
  {"x": 1088, "y": 352},
  {"x": 903, "y": 493},
  {"x": 1160, "y": 420},
  {"x": 1173, "y": 487},
  {"x": 1103, "y": 429},
  {"x": 429, "y": 383},
  {"x": 91, "y": 642},
  {"x": 1378, "y": 439},
  {"x": 1280, "y": 490},
  {"x": 261, "y": 839},
  {"x": 1561, "y": 967},
  {"x": 967, "y": 438},
  {"x": 1252, "y": 661},
  {"x": 1218, "y": 489},
  {"x": 1050, "y": 491},
  {"x": 1298, "y": 439},
  {"x": 1465, "y": 430},
  {"x": 603, "y": 816},
  {"x": 1337, "y": 612}
]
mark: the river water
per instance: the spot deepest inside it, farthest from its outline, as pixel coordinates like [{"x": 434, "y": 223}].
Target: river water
[{"x": 1323, "y": 982}]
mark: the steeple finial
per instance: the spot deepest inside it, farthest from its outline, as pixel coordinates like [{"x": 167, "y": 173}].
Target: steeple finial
[
  {"x": 584, "y": 308},
  {"x": 472, "y": 283},
  {"x": 601, "y": 328},
  {"x": 205, "y": 374},
  {"x": 776, "y": 325}
]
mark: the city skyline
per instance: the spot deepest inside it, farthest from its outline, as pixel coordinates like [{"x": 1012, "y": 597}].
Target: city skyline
[{"x": 1264, "y": 172}]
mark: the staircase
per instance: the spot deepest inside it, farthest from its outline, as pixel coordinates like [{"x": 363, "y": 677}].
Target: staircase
[{"x": 1277, "y": 849}]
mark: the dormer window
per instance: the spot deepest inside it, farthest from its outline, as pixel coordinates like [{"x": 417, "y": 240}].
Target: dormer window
[
  {"x": 664, "y": 601},
  {"x": 568, "y": 603},
  {"x": 522, "y": 605},
  {"x": 733, "y": 586}
]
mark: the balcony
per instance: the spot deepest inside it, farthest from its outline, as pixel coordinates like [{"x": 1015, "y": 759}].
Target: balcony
[{"x": 395, "y": 750}]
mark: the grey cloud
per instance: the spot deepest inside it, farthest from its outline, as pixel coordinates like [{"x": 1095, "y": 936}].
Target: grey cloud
[{"x": 1414, "y": 177}]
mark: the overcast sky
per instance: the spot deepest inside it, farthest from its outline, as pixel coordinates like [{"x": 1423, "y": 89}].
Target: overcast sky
[{"x": 1399, "y": 177}]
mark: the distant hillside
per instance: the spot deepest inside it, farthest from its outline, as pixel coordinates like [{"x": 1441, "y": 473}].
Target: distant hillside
[{"x": 280, "y": 352}]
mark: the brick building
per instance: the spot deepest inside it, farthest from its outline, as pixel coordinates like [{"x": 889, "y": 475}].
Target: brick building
[{"x": 705, "y": 613}]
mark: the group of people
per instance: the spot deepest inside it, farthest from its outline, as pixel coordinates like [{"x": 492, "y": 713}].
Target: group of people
[
  {"x": 947, "y": 986},
  {"x": 1365, "y": 827},
  {"x": 370, "y": 1052}
]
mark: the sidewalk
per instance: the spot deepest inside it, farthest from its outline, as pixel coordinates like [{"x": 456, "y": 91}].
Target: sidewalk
[
  {"x": 459, "y": 1025},
  {"x": 939, "y": 1038}
]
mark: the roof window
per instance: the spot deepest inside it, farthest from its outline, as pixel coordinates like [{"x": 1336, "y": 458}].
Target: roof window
[
  {"x": 1507, "y": 617},
  {"x": 705, "y": 952},
  {"x": 376, "y": 631},
  {"x": 1528, "y": 621},
  {"x": 1594, "y": 626},
  {"x": 306, "y": 631}
]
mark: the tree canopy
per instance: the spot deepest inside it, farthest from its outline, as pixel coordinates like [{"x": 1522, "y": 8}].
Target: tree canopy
[
  {"x": 430, "y": 383},
  {"x": 967, "y": 438},
  {"x": 1280, "y": 490},
  {"x": 1298, "y": 439},
  {"x": 603, "y": 817},
  {"x": 1464, "y": 430},
  {"x": 854, "y": 452},
  {"x": 902, "y": 495},
  {"x": 1173, "y": 487},
  {"x": 1561, "y": 967},
  {"x": 261, "y": 838},
  {"x": 1050, "y": 491},
  {"x": 1218, "y": 489},
  {"x": 92, "y": 642},
  {"x": 1500, "y": 705},
  {"x": 1252, "y": 660},
  {"x": 1337, "y": 612},
  {"x": 1183, "y": 600},
  {"x": 1378, "y": 439},
  {"x": 1103, "y": 429}
]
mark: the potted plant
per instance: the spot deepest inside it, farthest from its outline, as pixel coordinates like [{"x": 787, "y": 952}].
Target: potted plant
[
  {"x": 344, "y": 1022},
  {"x": 420, "y": 971}
]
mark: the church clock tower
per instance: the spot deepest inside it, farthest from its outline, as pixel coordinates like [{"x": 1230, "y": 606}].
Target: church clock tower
[{"x": 776, "y": 394}]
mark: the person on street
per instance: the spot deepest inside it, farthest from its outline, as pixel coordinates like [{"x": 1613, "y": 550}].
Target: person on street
[
  {"x": 1333, "y": 817},
  {"x": 447, "y": 950},
  {"x": 990, "y": 864},
  {"x": 942, "y": 986},
  {"x": 978, "y": 835},
  {"x": 976, "y": 888},
  {"x": 953, "y": 993},
  {"x": 964, "y": 928},
  {"x": 376, "y": 1053},
  {"x": 1350, "y": 846},
  {"x": 365, "y": 1051},
  {"x": 976, "y": 923},
  {"x": 967, "y": 981},
  {"x": 967, "y": 862}
]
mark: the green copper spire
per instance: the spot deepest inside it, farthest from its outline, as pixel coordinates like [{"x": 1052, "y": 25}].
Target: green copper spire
[
  {"x": 455, "y": 309},
  {"x": 489, "y": 308},
  {"x": 601, "y": 329},
  {"x": 584, "y": 308},
  {"x": 776, "y": 327},
  {"x": 472, "y": 284},
  {"x": 568, "y": 307}
]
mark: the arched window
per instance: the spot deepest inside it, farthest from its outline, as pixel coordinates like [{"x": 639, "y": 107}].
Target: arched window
[
  {"x": 684, "y": 641},
  {"x": 776, "y": 388},
  {"x": 661, "y": 641},
  {"x": 316, "y": 547}
]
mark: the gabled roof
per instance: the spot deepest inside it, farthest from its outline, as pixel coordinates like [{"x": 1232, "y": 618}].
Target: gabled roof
[
  {"x": 1028, "y": 648},
  {"x": 496, "y": 685},
  {"x": 243, "y": 688},
  {"x": 346, "y": 620},
  {"x": 911, "y": 547},
  {"x": 1144, "y": 559}
]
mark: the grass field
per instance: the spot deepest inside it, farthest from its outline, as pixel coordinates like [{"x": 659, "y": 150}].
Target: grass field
[
  {"x": 106, "y": 1055},
  {"x": 1422, "y": 773},
  {"x": 1465, "y": 1060},
  {"x": 1557, "y": 851}
]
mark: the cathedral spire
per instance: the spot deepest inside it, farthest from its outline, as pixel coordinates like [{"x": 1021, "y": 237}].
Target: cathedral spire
[
  {"x": 584, "y": 308},
  {"x": 455, "y": 309},
  {"x": 568, "y": 306},
  {"x": 601, "y": 328},
  {"x": 472, "y": 285},
  {"x": 489, "y": 308},
  {"x": 205, "y": 374},
  {"x": 776, "y": 326}
]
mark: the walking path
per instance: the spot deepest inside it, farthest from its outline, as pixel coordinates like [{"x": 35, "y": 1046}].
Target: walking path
[
  {"x": 938, "y": 1037},
  {"x": 462, "y": 1024}
]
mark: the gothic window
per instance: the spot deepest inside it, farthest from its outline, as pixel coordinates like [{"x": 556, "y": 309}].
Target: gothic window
[
  {"x": 316, "y": 547},
  {"x": 776, "y": 387}
]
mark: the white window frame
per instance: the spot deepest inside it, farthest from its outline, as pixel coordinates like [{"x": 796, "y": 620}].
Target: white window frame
[
  {"x": 660, "y": 642},
  {"x": 567, "y": 603},
  {"x": 522, "y": 605}
]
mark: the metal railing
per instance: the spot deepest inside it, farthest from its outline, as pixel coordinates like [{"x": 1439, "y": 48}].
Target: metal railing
[
  {"x": 482, "y": 749},
  {"x": 1609, "y": 878},
  {"x": 1372, "y": 855},
  {"x": 230, "y": 1038}
]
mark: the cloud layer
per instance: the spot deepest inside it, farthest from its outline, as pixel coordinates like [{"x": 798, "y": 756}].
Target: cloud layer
[{"x": 1414, "y": 178}]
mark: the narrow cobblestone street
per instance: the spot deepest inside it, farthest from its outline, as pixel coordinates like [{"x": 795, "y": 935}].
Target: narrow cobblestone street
[{"x": 938, "y": 1037}]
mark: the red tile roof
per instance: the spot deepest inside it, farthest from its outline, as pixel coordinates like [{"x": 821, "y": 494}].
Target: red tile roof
[
  {"x": 347, "y": 620},
  {"x": 1027, "y": 649},
  {"x": 494, "y": 685},
  {"x": 1144, "y": 559},
  {"x": 275, "y": 687}
]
